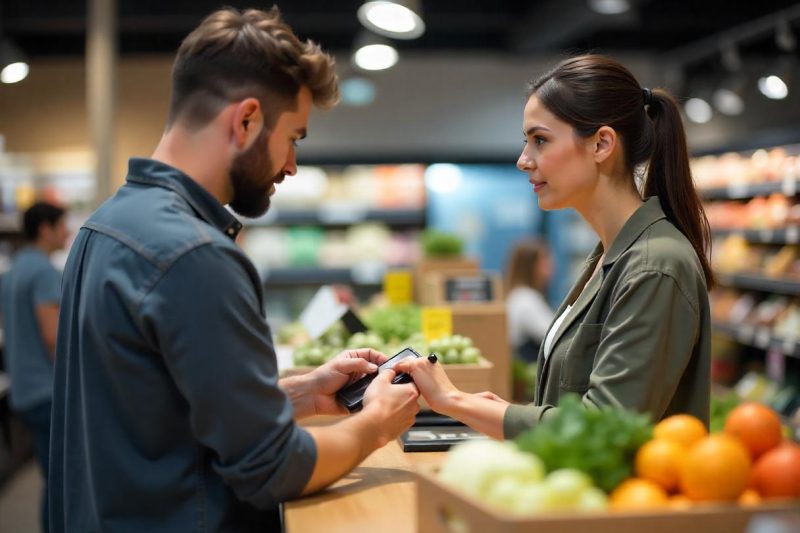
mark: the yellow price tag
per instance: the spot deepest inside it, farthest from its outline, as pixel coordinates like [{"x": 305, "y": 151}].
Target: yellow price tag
[
  {"x": 437, "y": 322},
  {"x": 397, "y": 287}
]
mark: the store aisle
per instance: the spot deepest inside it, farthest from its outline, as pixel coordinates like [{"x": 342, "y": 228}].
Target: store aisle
[{"x": 19, "y": 501}]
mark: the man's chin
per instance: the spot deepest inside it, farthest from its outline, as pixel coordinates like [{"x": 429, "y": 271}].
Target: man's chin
[{"x": 251, "y": 210}]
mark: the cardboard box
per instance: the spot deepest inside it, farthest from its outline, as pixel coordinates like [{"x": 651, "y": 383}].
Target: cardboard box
[
  {"x": 440, "y": 509},
  {"x": 456, "y": 266},
  {"x": 486, "y": 325}
]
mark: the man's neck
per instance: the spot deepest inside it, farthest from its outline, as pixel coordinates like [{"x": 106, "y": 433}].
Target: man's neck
[{"x": 193, "y": 154}]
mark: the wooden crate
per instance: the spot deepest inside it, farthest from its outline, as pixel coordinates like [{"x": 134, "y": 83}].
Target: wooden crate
[
  {"x": 455, "y": 266},
  {"x": 440, "y": 509},
  {"x": 486, "y": 325}
]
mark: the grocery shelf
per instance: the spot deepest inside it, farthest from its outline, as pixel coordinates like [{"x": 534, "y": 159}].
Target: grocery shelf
[
  {"x": 363, "y": 275},
  {"x": 760, "y": 283},
  {"x": 789, "y": 187},
  {"x": 788, "y": 235},
  {"x": 339, "y": 216},
  {"x": 758, "y": 336}
]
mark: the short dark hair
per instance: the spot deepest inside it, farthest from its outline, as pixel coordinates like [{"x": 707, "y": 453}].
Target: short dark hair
[
  {"x": 38, "y": 214},
  {"x": 234, "y": 55}
]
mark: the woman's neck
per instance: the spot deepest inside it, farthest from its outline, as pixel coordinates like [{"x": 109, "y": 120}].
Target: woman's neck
[{"x": 608, "y": 210}]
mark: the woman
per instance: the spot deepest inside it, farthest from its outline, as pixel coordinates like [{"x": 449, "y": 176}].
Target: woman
[
  {"x": 529, "y": 314},
  {"x": 634, "y": 330}
]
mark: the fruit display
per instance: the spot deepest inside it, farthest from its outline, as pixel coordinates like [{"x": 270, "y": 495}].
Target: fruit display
[
  {"x": 391, "y": 329},
  {"x": 761, "y": 166},
  {"x": 596, "y": 459}
]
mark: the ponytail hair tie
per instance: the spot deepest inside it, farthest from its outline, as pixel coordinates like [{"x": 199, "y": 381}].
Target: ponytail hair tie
[{"x": 648, "y": 96}]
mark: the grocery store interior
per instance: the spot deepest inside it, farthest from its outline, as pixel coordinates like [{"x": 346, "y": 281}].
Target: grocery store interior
[{"x": 408, "y": 206}]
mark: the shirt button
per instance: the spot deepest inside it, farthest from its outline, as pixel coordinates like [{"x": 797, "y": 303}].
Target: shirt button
[{"x": 231, "y": 231}]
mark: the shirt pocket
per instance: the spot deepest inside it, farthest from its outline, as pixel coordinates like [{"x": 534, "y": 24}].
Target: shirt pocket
[{"x": 577, "y": 365}]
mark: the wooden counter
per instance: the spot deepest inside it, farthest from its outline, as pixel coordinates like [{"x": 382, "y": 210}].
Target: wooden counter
[{"x": 379, "y": 495}]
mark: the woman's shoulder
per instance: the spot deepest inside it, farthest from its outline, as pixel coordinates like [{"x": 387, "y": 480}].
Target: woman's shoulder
[{"x": 663, "y": 249}]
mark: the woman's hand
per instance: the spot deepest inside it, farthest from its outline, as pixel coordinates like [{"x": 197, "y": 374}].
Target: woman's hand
[{"x": 432, "y": 382}]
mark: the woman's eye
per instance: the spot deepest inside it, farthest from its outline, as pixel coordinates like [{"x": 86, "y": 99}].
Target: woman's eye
[{"x": 539, "y": 140}]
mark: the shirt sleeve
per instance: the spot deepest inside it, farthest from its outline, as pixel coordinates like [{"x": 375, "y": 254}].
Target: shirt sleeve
[
  {"x": 204, "y": 316},
  {"x": 645, "y": 345},
  {"x": 47, "y": 286}
]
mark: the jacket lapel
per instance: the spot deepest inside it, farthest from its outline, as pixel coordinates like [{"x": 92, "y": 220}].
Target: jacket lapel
[{"x": 578, "y": 302}]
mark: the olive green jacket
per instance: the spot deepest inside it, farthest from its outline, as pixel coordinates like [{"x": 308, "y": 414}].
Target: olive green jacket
[{"x": 638, "y": 335}]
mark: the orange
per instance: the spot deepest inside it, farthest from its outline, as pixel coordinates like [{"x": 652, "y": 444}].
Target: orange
[
  {"x": 716, "y": 468},
  {"x": 660, "y": 461},
  {"x": 776, "y": 474},
  {"x": 756, "y": 425},
  {"x": 638, "y": 494},
  {"x": 683, "y": 429},
  {"x": 749, "y": 498},
  {"x": 679, "y": 502}
]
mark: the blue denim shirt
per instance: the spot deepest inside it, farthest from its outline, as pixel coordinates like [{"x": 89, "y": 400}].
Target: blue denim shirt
[{"x": 167, "y": 414}]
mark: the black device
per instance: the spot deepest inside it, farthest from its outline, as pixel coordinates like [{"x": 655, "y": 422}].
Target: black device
[{"x": 352, "y": 395}]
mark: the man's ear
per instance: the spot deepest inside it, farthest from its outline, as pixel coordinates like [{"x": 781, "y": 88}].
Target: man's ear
[
  {"x": 247, "y": 123},
  {"x": 605, "y": 140}
]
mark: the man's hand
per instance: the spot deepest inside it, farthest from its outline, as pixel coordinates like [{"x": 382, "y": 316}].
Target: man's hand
[
  {"x": 345, "y": 368},
  {"x": 392, "y": 407}
]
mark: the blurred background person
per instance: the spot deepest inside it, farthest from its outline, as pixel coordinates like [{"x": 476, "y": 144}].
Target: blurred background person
[
  {"x": 31, "y": 291},
  {"x": 529, "y": 315}
]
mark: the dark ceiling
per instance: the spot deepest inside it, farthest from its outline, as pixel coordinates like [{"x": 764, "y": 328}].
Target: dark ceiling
[{"x": 56, "y": 27}]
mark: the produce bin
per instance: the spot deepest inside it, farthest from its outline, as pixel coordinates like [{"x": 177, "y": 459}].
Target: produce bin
[{"x": 440, "y": 509}]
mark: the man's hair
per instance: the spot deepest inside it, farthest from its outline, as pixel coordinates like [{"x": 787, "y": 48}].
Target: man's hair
[
  {"x": 234, "y": 55},
  {"x": 38, "y": 214}
]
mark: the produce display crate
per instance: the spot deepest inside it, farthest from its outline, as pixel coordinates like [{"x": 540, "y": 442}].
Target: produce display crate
[
  {"x": 440, "y": 509},
  {"x": 486, "y": 325},
  {"x": 455, "y": 266}
]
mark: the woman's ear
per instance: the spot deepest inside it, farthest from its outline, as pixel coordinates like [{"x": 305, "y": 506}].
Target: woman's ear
[
  {"x": 247, "y": 122},
  {"x": 605, "y": 141}
]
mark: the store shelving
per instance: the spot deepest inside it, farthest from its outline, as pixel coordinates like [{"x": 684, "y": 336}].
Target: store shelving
[
  {"x": 755, "y": 282},
  {"x": 328, "y": 216},
  {"x": 738, "y": 191},
  {"x": 368, "y": 275},
  {"x": 759, "y": 337},
  {"x": 788, "y": 235}
]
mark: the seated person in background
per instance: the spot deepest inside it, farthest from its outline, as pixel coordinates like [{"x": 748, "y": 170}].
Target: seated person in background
[{"x": 529, "y": 314}]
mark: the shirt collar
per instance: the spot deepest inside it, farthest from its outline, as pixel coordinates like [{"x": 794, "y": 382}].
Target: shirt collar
[
  {"x": 152, "y": 172},
  {"x": 648, "y": 214}
]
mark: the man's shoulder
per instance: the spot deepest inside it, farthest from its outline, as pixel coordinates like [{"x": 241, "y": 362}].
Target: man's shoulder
[{"x": 154, "y": 222}]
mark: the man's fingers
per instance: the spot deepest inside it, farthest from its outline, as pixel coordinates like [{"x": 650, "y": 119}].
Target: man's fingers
[
  {"x": 355, "y": 365},
  {"x": 373, "y": 356}
]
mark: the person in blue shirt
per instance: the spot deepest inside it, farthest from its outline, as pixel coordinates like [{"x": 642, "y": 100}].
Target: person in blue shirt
[
  {"x": 31, "y": 290},
  {"x": 168, "y": 413}
]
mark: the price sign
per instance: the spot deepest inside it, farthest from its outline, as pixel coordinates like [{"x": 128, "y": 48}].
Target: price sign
[
  {"x": 469, "y": 289},
  {"x": 437, "y": 322},
  {"x": 397, "y": 287}
]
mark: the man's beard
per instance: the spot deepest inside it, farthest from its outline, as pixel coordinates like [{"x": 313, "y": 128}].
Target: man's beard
[{"x": 250, "y": 187}]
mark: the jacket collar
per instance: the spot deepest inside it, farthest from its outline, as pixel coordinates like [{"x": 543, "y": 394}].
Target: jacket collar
[
  {"x": 648, "y": 214},
  {"x": 156, "y": 173}
]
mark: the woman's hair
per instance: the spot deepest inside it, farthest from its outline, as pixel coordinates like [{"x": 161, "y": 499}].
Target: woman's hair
[
  {"x": 525, "y": 266},
  {"x": 233, "y": 55},
  {"x": 591, "y": 91}
]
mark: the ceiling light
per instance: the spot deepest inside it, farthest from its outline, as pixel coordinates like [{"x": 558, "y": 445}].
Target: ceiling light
[
  {"x": 698, "y": 110},
  {"x": 374, "y": 53},
  {"x": 13, "y": 64},
  {"x": 773, "y": 87},
  {"x": 728, "y": 102},
  {"x": 399, "y": 19},
  {"x": 610, "y": 7}
]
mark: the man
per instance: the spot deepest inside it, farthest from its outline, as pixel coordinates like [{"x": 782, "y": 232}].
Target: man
[
  {"x": 168, "y": 414},
  {"x": 31, "y": 291}
]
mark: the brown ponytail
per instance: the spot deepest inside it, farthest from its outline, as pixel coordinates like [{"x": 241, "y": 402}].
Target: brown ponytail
[
  {"x": 669, "y": 178},
  {"x": 591, "y": 91}
]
